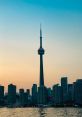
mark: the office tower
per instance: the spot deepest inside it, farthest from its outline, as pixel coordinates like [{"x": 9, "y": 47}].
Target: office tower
[
  {"x": 25, "y": 99},
  {"x": 29, "y": 97},
  {"x": 41, "y": 88},
  {"x": 57, "y": 94},
  {"x": 1, "y": 95},
  {"x": 70, "y": 93},
  {"x": 11, "y": 94},
  {"x": 1, "y": 92},
  {"x": 23, "y": 96},
  {"x": 34, "y": 94},
  {"x": 28, "y": 91},
  {"x": 78, "y": 92},
  {"x": 64, "y": 85},
  {"x": 50, "y": 95},
  {"x": 73, "y": 96}
]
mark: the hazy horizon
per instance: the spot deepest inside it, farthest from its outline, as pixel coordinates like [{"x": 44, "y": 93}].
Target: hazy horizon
[{"x": 19, "y": 41}]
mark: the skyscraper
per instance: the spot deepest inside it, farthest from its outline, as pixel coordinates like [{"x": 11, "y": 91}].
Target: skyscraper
[
  {"x": 57, "y": 94},
  {"x": 34, "y": 94},
  {"x": 1, "y": 95},
  {"x": 11, "y": 94},
  {"x": 1, "y": 92},
  {"x": 41, "y": 88},
  {"x": 70, "y": 93},
  {"x": 64, "y": 86},
  {"x": 23, "y": 97},
  {"x": 78, "y": 92}
]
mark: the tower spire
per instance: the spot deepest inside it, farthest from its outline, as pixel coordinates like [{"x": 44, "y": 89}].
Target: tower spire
[{"x": 40, "y": 36}]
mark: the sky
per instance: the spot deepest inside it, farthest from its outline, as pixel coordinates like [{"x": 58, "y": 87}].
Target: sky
[{"x": 19, "y": 41}]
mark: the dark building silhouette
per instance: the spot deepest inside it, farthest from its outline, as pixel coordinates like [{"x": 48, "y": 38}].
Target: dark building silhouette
[
  {"x": 70, "y": 93},
  {"x": 41, "y": 88},
  {"x": 1, "y": 92},
  {"x": 25, "y": 99},
  {"x": 60, "y": 95},
  {"x": 42, "y": 95},
  {"x": 50, "y": 96},
  {"x": 1, "y": 95},
  {"x": 78, "y": 92},
  {"x": 34, "y": 94},
  {"x": 11, "y": 94},
  {"x": 74, "y": 91},
  {"x": 28, "y": 91},
  {"x": 57, "y": 94},
  {"x": 64, "y": 86},
  {"x": 29, "y": 97},
  {"x": 23, "y": 96}
]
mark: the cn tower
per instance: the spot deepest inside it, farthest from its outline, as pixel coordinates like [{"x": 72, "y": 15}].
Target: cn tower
[
  {"x": 41, "y": 53},
  {"x": 41, "y": 89}
]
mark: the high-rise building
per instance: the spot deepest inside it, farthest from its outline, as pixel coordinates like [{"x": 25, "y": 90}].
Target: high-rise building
[
  {"x": 11, "y": 94},
  {"x": 1, "y": 92},
  {"x": 34, "y": 94},
  {"x": 57, "y": 94},
  {"x": 64, "y": 86},
  {"x": 50, "y": 95},
  {"x": 41, "y": 88},
  {"x": 78, "y": 92},
  {"x": 28, "y": 91},
  {"x": 70, "y": 93},
  {"x": 1, "y": 95},
  {"x": 23, "y": 96},
  {"x": 73, "y": 95}
]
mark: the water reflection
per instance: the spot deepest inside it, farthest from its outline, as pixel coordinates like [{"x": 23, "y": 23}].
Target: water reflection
[{"x": 42, "y": 112}]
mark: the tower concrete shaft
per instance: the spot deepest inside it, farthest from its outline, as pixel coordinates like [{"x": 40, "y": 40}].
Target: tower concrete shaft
[{"x": 41, "y": 71}]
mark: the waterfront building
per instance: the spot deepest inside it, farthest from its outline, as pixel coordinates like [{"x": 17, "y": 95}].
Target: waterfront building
[
  {"x": 28, "y": 91},
  {"x": 1, "y": 95},
  {"x": 50, "y": 95},
  {"x": 70, "y": 93},
  {"x": 57, "y": 94},
  {"x": 1, "y": 92},
  {"x": 64, "y": 86},
  {"x": 23, "y": 96},
  {"x": 78, "y": 92},
  {"x": 34, "y": 94},
  {"x": 11, "y": 94}
]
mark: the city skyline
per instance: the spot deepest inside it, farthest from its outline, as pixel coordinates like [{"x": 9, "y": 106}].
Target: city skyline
[
  {"x": 19, "y": 39},
  {"x": 59, "y": 95}
]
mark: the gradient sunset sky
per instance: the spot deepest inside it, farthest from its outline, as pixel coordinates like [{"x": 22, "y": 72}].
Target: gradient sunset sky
[{"x": 19, "y": 41}]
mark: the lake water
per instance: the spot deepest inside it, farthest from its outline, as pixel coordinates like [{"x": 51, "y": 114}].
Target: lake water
[{"x": 40, "y": 112}]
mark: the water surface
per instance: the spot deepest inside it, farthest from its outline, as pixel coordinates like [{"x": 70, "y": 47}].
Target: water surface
[{"x": 40, "y": 112}]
